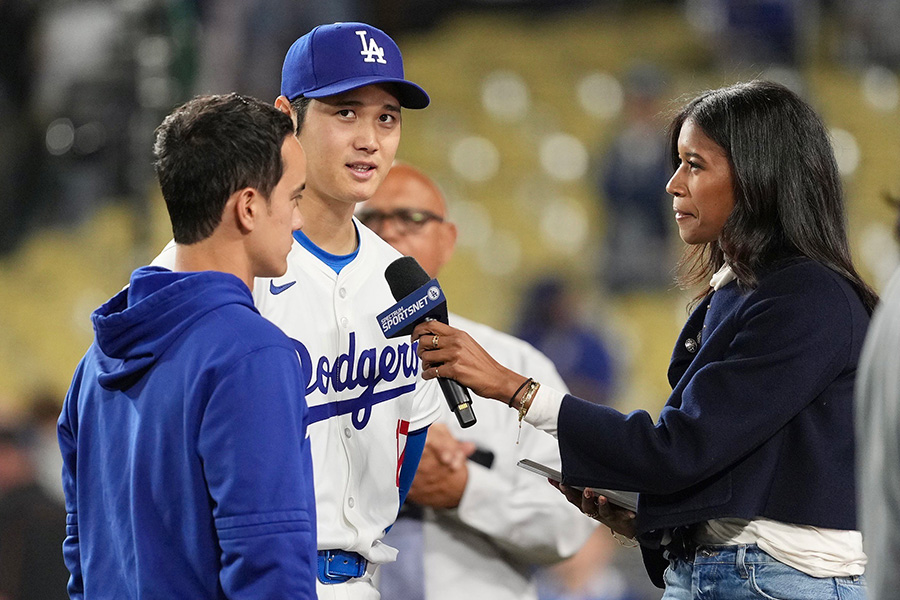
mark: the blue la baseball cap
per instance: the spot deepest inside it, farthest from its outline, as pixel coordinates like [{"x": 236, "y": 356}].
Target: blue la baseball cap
[{"x": 336, "y": 58}]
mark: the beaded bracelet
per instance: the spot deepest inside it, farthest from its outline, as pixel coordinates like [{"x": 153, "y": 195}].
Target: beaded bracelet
[
  {"x": 527, "y": 399},
  {"x": 516, "y": 393},
  {"x": 526, "y": 404}
]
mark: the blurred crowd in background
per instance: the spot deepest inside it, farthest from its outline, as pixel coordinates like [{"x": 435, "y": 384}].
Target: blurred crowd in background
[
  {"x": 84, "y": 83},
  {"x": 546, "y": 133}
]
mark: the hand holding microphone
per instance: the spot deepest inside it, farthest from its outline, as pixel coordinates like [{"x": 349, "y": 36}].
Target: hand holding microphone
[
  {"x": 462, "y": 359},
  {"x": 420, "y": 300},
  {"x": 449, "y": 354}
]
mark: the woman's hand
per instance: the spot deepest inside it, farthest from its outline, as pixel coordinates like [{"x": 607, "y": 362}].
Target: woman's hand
[
  {"x": 452, "y": 353},
  {"x": 619, "y": 520}
]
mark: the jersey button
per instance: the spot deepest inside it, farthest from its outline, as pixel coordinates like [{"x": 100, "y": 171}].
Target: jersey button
[
  {"x": 347, "y": 432},
  {"x": 342, "y": 292},
  {"x": 350, "y": 502},
  {"x": 345, "y": 322}
]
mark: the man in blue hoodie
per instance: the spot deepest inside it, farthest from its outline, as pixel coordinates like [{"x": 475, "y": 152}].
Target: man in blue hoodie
[{"x": 187, "y": 467}]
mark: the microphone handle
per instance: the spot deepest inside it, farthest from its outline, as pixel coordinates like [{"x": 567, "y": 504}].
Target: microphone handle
[
  {"x": 459, "y": 401},
  {"x": 457, "y": 397}
]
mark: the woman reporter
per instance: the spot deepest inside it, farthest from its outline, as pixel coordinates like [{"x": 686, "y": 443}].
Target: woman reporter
[{"x": 746, "y": 480}]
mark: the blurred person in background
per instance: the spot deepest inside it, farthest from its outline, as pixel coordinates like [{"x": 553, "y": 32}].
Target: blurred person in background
[
  {"x": 240, "y": 40},
  {"x": 750, "y": 33},
  {"x": 474, "y": 525},
  {"x": 43, "y": 412},
  {"x": 21, "y": 151},
  {"x": 868, "y": 28},
  {"x": 551, "y": 321},
  {"x": 878, "y": 443},
  {"x": 747, "y": 480},
  {"x": 603, "y": 569},
  {"x": 631, "y": 179},
  {"x": 32, "y": 524}
]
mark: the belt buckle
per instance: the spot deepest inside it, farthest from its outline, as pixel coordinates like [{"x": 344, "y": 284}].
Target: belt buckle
[{"x": 339, "y": 565}]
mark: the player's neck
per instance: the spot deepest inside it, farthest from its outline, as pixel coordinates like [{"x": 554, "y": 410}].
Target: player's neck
[
  {"x": 213, "y": 255},
  {"x": 328, "y": 223}
]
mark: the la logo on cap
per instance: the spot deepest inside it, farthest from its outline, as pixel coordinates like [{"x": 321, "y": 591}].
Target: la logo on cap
[
  {"x": 372, "y": 50},
  {"x": 339, "y": 57}
]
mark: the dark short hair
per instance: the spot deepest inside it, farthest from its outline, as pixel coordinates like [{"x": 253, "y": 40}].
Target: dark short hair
[
  {"x": 300, "y": 105},
  {"x": 787, "y": 190},
  {"x": 211, "y": 147}
]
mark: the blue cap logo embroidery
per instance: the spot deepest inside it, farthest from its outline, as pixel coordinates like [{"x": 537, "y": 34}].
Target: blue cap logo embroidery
[{"x": 371, "y": 51}]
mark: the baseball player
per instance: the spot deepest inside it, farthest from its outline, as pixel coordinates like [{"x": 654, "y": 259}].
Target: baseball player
[
  {"x": 344, "y": 88},
  {"x": 475, "y": 528}
]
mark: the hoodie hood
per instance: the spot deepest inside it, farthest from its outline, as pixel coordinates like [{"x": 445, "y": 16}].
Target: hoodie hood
[{"x": 136, "y": 326}]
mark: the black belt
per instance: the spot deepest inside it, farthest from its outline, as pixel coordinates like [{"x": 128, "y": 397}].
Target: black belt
[{"x": 682, "y": 544}]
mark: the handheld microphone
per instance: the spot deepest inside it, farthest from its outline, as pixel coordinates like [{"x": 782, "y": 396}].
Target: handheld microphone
[{"x": 420, "y": 299}]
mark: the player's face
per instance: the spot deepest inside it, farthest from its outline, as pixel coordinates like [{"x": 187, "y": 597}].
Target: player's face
[
  {"x": 408, "y": 213},
  {"x": 350, "y": 141},
  {"x": 281, "y": 215},
  {"x": 702, "y": 186}
]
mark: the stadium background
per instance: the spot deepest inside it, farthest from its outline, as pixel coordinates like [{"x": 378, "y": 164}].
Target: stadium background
[{"x": 525, "y": 96}]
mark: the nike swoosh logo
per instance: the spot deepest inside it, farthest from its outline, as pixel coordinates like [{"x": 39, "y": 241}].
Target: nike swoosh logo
[{"x": 277, "y": 289}]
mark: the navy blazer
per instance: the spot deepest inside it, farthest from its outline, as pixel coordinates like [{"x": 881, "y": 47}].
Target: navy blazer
[{"x": 760, "y": 420}]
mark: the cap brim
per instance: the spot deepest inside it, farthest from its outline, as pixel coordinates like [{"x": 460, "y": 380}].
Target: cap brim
[{"x": 409, "y": 94}]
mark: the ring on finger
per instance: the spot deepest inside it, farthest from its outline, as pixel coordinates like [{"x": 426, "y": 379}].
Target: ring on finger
[
  {"x": 436, "y": 371},
  {"x": 434, "y": 341}
]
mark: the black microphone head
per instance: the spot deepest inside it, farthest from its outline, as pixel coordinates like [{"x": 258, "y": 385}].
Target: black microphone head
[{"x": 404, "y": 276}]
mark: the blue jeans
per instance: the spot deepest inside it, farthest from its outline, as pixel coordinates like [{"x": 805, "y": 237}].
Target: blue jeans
[{"x": 745, "y": 573}]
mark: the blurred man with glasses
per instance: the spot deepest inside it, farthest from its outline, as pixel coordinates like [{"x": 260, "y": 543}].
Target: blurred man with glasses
[{"x": 472, "y": 527}]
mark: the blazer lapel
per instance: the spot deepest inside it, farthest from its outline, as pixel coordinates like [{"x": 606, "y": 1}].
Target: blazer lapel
[{"x": 688, "y": 343}]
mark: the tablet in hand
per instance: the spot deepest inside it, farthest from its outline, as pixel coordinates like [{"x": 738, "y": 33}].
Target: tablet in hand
[{"x": 620, "y": 498}]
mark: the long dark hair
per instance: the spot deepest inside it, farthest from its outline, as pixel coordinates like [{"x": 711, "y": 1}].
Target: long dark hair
[{"x": 787, "y": 190}]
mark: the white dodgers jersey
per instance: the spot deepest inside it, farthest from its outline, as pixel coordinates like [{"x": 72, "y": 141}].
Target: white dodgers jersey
[{"x": 365, "y": 393}]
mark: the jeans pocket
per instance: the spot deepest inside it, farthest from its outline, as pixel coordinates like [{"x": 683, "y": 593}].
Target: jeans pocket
[
  {"x": 677, "y": 578},
  {"x": 777, "y": 581}
]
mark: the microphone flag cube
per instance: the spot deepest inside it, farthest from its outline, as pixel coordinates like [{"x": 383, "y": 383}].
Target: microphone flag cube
[{"x": 426, "y": 302}]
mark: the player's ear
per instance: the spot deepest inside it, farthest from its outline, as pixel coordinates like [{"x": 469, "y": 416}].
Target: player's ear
[
  {"x": 283, "y": 104},
  {"x": 246, "y": 208}
]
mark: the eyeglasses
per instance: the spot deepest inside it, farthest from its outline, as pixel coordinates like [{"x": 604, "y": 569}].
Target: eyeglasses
[{"x": 406, "y": 220}]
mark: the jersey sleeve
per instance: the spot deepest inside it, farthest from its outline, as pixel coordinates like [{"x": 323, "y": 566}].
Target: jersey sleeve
[
  {"x": 428, "y": 400},
  {"x": 255, "y": 449},
  {"x": 415, "y": 445}
]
